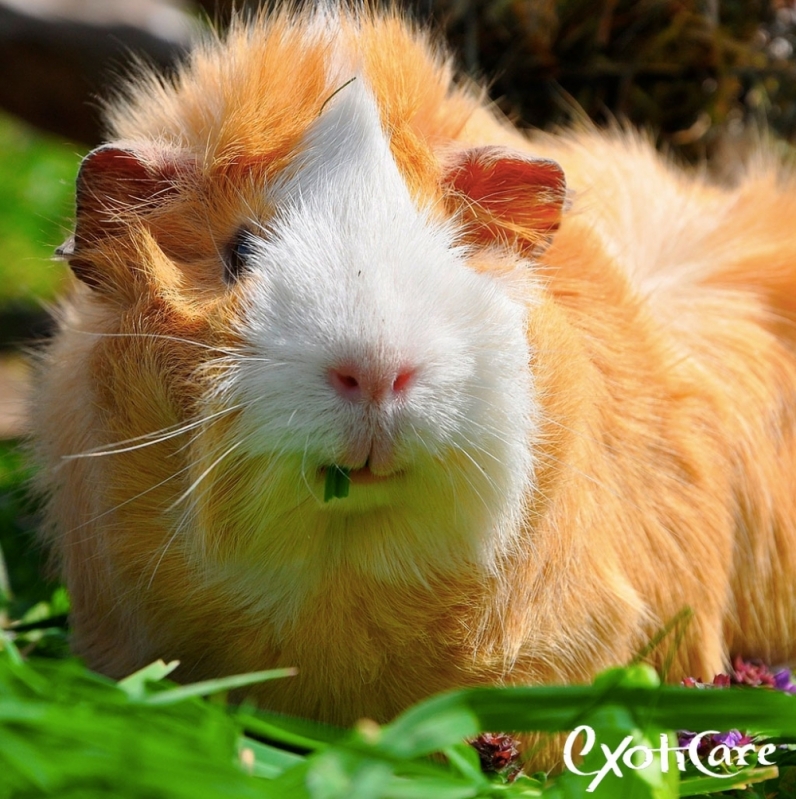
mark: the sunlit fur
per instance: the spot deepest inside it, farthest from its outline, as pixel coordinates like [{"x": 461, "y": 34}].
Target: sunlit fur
[{"x": 596, "y": 438}]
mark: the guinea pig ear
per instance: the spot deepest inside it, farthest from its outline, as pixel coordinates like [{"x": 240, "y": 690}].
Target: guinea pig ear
[
  {"x": 504, "y": 193},
  {"x": 113, "y": 183}
]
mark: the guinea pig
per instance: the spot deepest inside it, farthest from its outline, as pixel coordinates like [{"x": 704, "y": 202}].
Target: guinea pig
[{"x": 556, "y": 374}]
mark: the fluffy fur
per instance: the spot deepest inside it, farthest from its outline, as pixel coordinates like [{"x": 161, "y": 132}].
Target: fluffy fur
[{"x": 593, "y": 436}]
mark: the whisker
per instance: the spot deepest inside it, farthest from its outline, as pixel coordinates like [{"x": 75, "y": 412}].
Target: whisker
[
  {"x": 172, "y": 539},
  {"x": 304, "y": 463},
  {"x": 475, "y": 463},
  {"x": 626, "y": 451},
  {"x": 187, "y": 493},
  {"x": 131, "y": 499},
  {"x": 237, "y": 355},
  {"x": 164, "y": 434},
  {"x": 592, "y": 479}
]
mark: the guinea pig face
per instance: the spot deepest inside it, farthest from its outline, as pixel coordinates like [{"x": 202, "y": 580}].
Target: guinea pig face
[
  {"x": 370, "y": 342},
  {"x": 350, "y": 321}
]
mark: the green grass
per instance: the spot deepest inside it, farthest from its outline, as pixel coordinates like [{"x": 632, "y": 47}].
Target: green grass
[
  {"x": 25, "y": 562},
  {"x": 69, "y": 733},
  {"x": 37, "y": 175}
]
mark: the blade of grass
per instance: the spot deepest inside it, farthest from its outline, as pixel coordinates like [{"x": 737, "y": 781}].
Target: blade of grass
[
  {"x": 135, "y": 685},
  {"x": 694, "y": 786},
  {"x": 208, "y": 687},
  {"x": 268, "y": 761}
]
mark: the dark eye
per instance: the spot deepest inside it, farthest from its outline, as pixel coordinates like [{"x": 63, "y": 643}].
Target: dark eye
[{"x": 239, "y": 254}]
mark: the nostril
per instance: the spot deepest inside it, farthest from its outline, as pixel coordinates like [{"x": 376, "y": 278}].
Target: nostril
[
  {"x": 349, "y": 381},
  {"x": 345, "y": 382},
  {"x": 402, "y": 381},
  {"x": 374, "y": 385}
]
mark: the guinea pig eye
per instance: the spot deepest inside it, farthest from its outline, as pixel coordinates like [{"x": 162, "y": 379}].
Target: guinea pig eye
[{"x": 238, "y": 255}]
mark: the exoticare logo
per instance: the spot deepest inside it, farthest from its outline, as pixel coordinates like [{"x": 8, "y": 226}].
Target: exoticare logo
[{"x": 626, "y": 756}]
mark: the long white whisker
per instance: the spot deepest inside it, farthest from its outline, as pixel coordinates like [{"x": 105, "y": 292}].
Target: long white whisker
[
  {"x": 596, "y": 481},
  {"x": 202, "y": 476},
  {"x": 236, "y": 355},
  {"x": 131, "y": 499},
  {"x": 304, "y": 463},
  {"x": 627, "y": 452},
  {"x": 168, "y": 543},
  {"x": 475, "y": 463},
  {"x": 157, "y": 437}
]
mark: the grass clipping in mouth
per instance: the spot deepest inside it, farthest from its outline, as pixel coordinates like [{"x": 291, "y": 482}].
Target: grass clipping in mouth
[{"x": 338, "y": 483}]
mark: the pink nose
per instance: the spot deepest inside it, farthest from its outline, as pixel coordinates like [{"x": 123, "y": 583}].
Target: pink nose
[{"x": 355, "y": 384}]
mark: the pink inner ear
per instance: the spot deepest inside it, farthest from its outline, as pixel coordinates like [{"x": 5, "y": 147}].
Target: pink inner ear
[
  {"x": 115, "y": 184},
  {"x": 112, "y": 163},
  {"x": 114, "y": 180},
  {"x": 115, "y": 177},
  {"x": 510, "y": 191}
]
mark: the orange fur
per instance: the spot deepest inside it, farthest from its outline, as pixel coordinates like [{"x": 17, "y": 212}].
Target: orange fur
[{"x": 664, "y": 357}]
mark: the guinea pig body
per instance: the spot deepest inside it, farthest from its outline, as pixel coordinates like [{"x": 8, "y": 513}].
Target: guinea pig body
[{"x": 553, "y": 449}]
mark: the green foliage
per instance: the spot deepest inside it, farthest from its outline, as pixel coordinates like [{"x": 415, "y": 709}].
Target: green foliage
[
  {"x": 37, "y": 176},
  {"x": 67, "y": 732},
  {"x": 20, "y": 555}
]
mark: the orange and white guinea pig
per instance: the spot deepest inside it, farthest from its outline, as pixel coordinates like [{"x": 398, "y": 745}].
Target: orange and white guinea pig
[{"x": 561, "y": 372}]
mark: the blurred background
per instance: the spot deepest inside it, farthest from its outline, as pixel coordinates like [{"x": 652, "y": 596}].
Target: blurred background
[{"x": 699, "y": 74}]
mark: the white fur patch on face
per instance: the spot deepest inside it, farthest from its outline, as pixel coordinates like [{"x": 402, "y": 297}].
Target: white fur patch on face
[{"x": 352, "y": 285}]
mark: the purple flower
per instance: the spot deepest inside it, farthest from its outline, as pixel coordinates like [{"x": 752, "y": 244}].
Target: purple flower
[
  {"x": 731, "y": 738},
  {"x": 709, "y": 742},
  {"x": 784, "y": 681},
  {"x": 684, "y": 737},
  {"x": 753, "y": 673}
]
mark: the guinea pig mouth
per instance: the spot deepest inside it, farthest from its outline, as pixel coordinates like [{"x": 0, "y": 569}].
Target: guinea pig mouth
[
  {"x": 361, "y": 476},
  {"x": 338, "y": 480}
]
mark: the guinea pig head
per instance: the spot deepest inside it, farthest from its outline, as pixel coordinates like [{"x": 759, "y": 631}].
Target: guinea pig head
[{"x": 337, "y": 316}]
